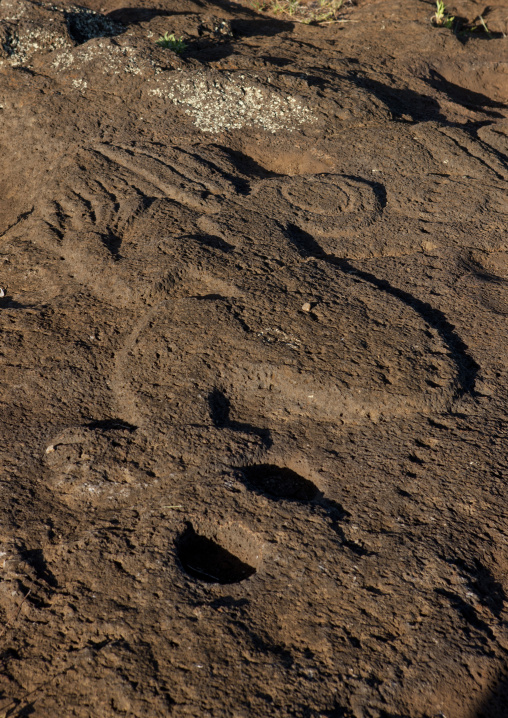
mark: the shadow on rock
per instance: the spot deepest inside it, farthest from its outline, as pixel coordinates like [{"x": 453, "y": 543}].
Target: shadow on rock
[
  {"x": 495, "y": 703},
  {"x": 402, "y": 102},
  {"x": 220, "y": 408},
  {"x": 135, "y": 15},
  {"x": 463, "y": 96},
  {"x": 467, "y": 368}
]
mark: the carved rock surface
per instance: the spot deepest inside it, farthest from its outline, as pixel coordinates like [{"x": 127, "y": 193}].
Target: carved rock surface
[{"x": 253, "y": 354}]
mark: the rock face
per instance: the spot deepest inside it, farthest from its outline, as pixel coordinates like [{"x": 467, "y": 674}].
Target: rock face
[{"x": 254, "y": 357}]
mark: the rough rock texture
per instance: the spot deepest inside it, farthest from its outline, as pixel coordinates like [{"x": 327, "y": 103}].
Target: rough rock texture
[{"x": 254, "y": 356}]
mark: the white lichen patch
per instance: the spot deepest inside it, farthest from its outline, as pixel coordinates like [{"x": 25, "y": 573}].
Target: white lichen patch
[
  {"x": 231, "y": 102},
  {"x": 12, "y": 10},
  {"x": 21, "y": 44},
  {"x": 215, "y": 102},
  {"x": 80, "y": 84},
  {"x": 112, "y": 59},
  {"x": 46, "y": 29},
  {"x": 63, "y": 60}
]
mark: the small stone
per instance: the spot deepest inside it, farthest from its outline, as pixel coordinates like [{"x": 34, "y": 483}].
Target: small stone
[
  {"x": 2, "y": 292},
  {"x": 306, "y": 307}
]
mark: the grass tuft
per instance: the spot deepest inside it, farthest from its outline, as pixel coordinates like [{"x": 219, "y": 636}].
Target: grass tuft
[
  {"x": 441, "y": 17},
  {"x": 481, "y": 27},
  {"x": 172, "y": 43}
]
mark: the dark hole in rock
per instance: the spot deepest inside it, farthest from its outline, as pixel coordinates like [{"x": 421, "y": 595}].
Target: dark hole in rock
[
  {"x": 203, "y": 558},
  {"x": 84, "y": 24},
  {"x": 280, "y": 482},
  {"x": 111, "y": 425}
]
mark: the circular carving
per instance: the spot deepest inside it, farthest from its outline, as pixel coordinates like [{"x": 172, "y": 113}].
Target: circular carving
[
  {"x": 318, "y": 196},
  {"x": 238, "y": 364}
]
